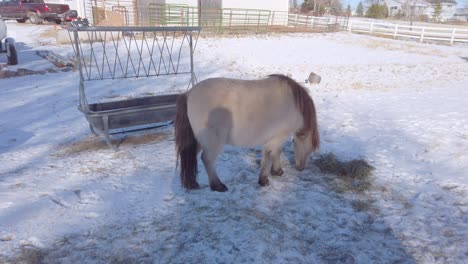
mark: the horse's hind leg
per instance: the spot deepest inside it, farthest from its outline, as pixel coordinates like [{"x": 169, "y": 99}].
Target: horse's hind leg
[
  {"x": 209, "y": 159},
  {"x": 212, "y": 143},
  {"x": 265, "y": 169}
]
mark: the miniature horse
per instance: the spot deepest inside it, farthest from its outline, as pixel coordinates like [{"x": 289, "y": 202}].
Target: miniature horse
[{"x": 244, "y": 113}]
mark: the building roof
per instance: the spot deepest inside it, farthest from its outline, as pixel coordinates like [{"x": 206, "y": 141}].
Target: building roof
[
  {"x": 408, "y": 3},
  {"x": 418, "y": 2},
  {"x": 461, "y": 12},
  {"x": 434, "y": 2}
]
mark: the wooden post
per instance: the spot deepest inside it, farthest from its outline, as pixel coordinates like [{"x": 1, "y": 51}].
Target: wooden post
[
  {"x": 396, "y": 31},
  {"x": 136, "y": 21},
  {"x": 246, "y": 20},
  {"x": 422, "y": 35},
  {"x": 258, "y": 22},
  {"x": 453, "y": 36},
  {"x": 230, "y": 20},
  {"x": 199, "y": 13},
  {"x": 371, "y": 27},
  {"x": 350, "y": 26}
]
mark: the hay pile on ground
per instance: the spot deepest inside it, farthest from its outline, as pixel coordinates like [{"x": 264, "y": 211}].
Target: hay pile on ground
[{"x": 354, "y": 175}]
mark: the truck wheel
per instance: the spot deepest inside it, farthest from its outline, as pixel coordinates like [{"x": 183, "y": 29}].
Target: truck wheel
[
  {"x": 12, "y": 56},
  {"x": 58, "y": 21},
  {"x": 35, "y": 19},
  {"x": 21, "y": 20}
]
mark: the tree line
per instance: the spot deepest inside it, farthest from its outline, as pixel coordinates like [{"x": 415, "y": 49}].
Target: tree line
[
  {"x": 379, "y": 9},
  {"x": 376, "y": 8}
]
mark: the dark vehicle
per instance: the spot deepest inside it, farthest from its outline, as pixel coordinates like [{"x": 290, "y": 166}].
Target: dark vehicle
[{"x": 36, "y": 11}]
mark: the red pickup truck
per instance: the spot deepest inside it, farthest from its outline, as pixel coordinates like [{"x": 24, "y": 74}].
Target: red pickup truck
[{"x": 36, "y": 11}]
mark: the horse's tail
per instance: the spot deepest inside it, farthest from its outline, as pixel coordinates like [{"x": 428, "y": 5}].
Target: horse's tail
[{"x": 186, "y": 145}]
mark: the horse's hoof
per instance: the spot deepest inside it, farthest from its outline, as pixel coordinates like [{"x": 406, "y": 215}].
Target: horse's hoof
[
  {"x": 279, "y": 172},
  {"x": 219, "y": 187},
  {"x": 192, "y": 186},
  {"x": 263, "y": 182}
]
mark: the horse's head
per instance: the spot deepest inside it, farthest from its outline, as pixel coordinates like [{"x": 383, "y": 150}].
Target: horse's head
[{"x": 304, "y": 144}]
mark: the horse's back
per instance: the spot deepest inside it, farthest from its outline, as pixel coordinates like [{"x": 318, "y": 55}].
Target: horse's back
[
  {"x": 244, "y": 112},
  {"x": 233, "y": 93}
]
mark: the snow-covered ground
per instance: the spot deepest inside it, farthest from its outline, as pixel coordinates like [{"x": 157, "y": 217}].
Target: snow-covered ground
[{"x": 66, "y": 198}]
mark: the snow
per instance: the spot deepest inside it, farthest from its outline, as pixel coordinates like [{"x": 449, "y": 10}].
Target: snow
[{"x": 400, "y": 105}]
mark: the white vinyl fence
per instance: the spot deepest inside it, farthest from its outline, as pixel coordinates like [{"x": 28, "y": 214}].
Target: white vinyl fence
[
  {"x": 450, "y": 35},
  {"x": 327, "y": 23}
]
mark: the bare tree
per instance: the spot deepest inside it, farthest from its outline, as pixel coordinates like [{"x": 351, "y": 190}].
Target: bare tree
[
  {"x": 322, "y": 6},
  {"x": 294, "y": 4}
]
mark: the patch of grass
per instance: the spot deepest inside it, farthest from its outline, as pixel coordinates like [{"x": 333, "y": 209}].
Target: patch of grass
[
  {"x": 356, "y": 168},
  {"x": 361, "y": 205},
  {"x": 97, "y": 143},
  {"x": 336, "y": 255},
  {"x": 49, "y": 33},
  {"x": 353, "y": 175},
  {"x": 26, "y": 255},
  {"x": 121, "y": 259}
]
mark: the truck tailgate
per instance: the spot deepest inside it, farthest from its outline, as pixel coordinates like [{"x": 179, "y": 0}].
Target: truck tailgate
[{"x": 58, "y": 8}]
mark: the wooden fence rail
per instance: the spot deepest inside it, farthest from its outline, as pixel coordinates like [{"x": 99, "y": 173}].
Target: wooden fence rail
[{"x": 419, "y": 33}]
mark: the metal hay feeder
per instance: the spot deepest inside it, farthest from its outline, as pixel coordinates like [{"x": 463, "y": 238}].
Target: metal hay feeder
[{"x": 110, "y": 53}]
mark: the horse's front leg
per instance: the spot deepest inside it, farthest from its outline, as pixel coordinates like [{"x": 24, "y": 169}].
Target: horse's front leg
[
  {"x": 276, "y": 168},
  {"x": 265, "y": 167},
  {"x": 271, "y": 159}
]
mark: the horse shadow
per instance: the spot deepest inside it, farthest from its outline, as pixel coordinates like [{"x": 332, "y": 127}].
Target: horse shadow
[
  {"x": 297, "y": 219},
  {"x": 300, "y": 212}
]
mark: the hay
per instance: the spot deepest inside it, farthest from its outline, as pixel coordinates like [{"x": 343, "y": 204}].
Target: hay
[
  {"x": 354, "y": 175},
  {"x": 25, "y": 255},
  {"x": 96, "y": 143},
  {"x": 357, "y": 168}
]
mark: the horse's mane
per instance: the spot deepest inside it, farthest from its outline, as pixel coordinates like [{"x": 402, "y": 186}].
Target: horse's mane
[{"x": 305, "y": 106}]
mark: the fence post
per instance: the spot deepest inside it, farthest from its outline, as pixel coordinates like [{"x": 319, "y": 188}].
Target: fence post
[
  {"x": 258, "y": 22},
  {"x": 453, "y": 36},
  {"x": 396, "y": 31},
  {"x": 371, "y": 27},
  {"x": 295, "y": 23},
  {"x": 192, "y": 73},
  {"x": 230, "y": 20},
  {"x": 350, "y": 26},
  {"x": 247, "y": 20},
  {"x": 422, "y": 35}
]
